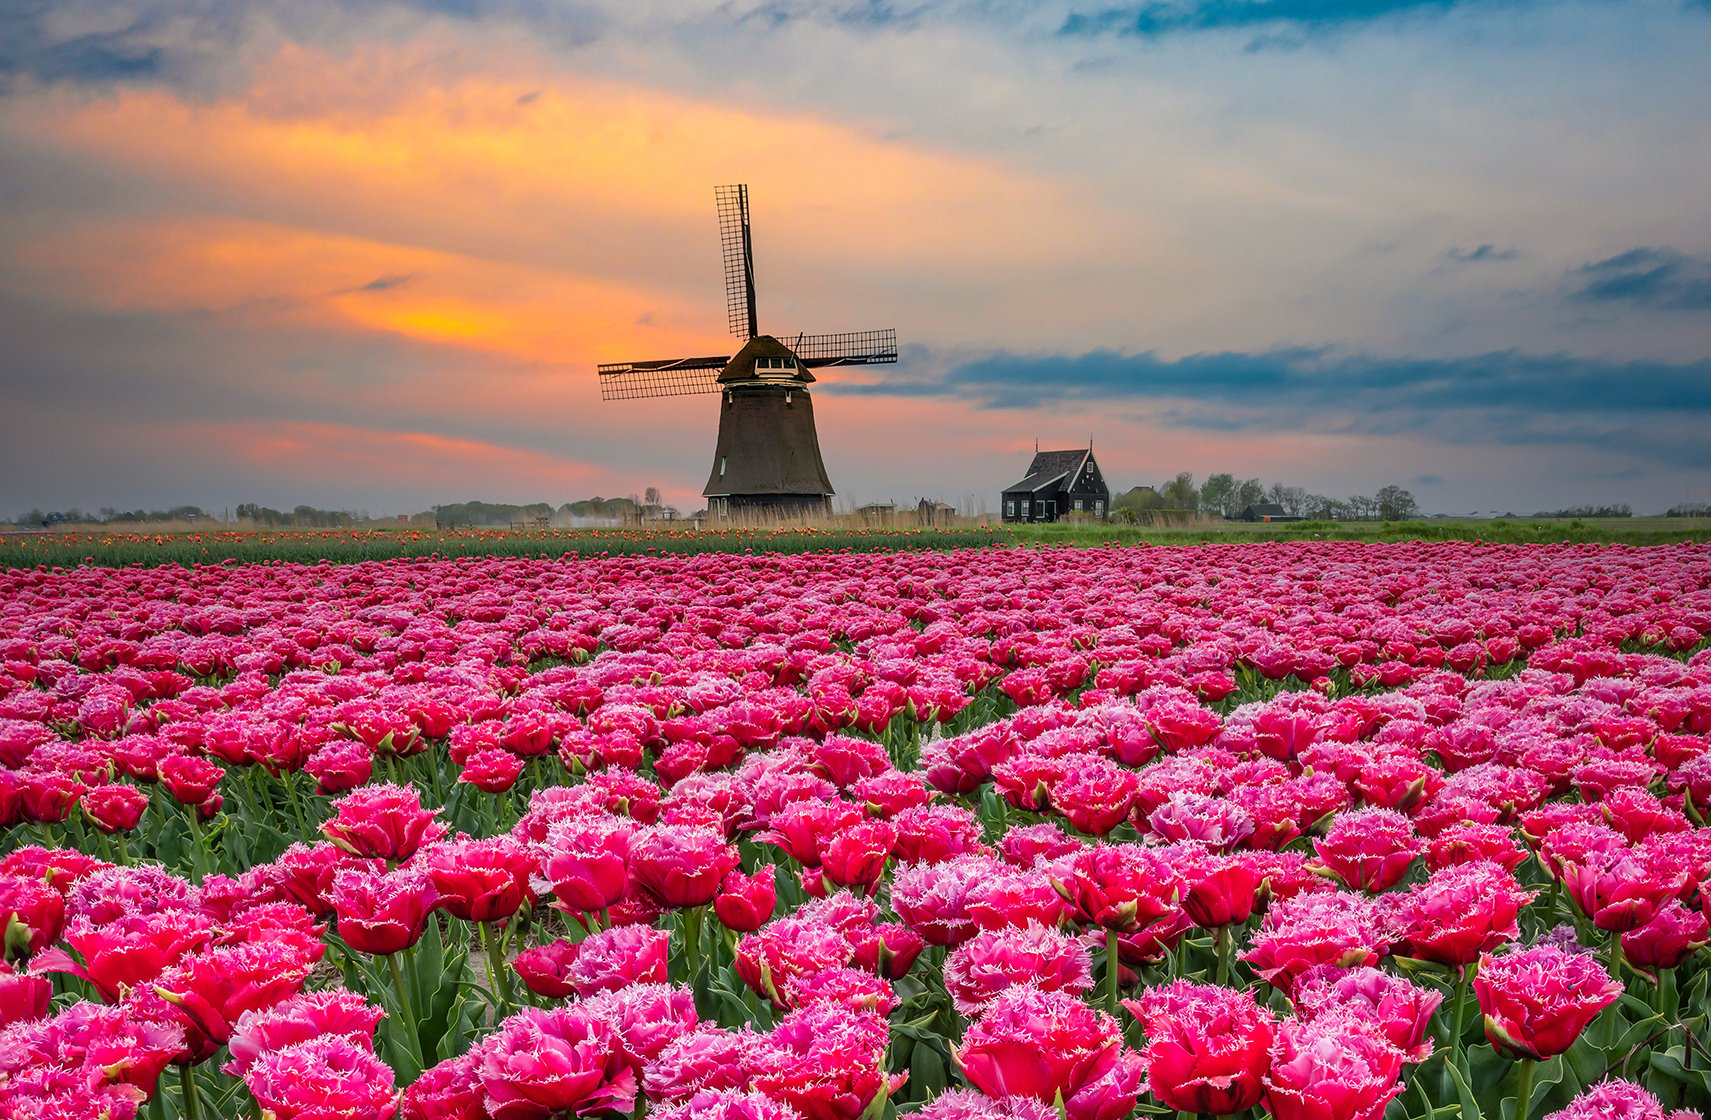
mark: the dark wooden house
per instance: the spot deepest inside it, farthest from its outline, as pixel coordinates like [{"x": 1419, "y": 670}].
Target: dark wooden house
[
  {"x": 1265, "y": 511},
  {"x": 1058, "y": 482}
]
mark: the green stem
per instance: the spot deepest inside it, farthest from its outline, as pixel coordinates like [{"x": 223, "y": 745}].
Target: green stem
[
  {"x": 1524, "y": 1089},
  {"x": 692, "y": 942},
  {"x": 1224, "y": 940},
  {"x": 496, "y": 965},
  {"x": 407, "y": 1009},
  {"x": 192, "y": 1100},
  {"x": 1112, "y": 972},
  {"x": 199, "y": 849},
  {"x": 1458, "y": 1010}
]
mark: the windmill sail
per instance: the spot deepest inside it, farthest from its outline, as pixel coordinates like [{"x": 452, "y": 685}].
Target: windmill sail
[
  {"x": 767, "y": 461},
  {"x": 851, "y": 348},
  {"x": 676, "y": 377},
  {"x": 738, "y": 251}
]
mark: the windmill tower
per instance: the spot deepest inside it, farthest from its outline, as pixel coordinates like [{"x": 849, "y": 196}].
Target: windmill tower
[{"x": 767, "y": 460}]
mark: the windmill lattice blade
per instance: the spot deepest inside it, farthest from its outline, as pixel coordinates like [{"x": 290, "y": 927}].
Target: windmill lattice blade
[
  {"x": 851, "y": 348},
  {"x": 678, "y": 377},
  {"x": 735, "y": 245}
]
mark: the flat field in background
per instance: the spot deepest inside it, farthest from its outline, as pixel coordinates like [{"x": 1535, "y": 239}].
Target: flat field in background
[{"x": 68, "y": 548}]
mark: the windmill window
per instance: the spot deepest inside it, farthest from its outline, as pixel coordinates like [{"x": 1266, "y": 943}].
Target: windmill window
[{"x": 721, "y": 466}]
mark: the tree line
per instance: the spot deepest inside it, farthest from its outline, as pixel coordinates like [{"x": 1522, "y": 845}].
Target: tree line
[{"x": 1224, "y": 495}]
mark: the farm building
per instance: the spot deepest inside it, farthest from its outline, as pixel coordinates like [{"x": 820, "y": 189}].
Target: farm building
[
  {"x": 1058, "y": 482},
  {"x": 1265, "y": 511}
]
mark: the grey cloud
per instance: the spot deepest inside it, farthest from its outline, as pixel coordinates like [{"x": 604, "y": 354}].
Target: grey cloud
[
  {"x": 1480, "y": 254},
  {"x": 1645, "y": 408},
  {"x": 1666, "y": 279}
]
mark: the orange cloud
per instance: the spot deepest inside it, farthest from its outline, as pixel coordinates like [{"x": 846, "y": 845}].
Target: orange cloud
[
  {"x": 292, "y": 275},
  {"x": 522, "y": 165}
]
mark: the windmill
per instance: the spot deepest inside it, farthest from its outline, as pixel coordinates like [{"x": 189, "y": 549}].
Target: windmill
[{"x": 768, "y": 456}]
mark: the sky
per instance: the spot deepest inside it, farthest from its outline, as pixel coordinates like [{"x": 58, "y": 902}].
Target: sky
[{"x": 365, "y": 254}]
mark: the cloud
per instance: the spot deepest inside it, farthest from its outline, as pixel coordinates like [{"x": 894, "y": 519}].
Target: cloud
[
  {"x": 1647, "y": 408},
  {"x": 1480, "y": 254},
  {"x": 1666, "y": 279},
  {"x": 1162, "y": 17}
]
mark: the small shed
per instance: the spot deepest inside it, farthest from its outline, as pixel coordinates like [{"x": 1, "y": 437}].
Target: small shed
[
  {"x": 931, "y": 513},
  {"x": 1057, "y": 483}
]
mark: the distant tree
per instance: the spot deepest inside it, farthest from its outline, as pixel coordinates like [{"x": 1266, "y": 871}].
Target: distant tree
[
  {"x": 1362, "y": 508},
  {"x": 651, "y": 496},
  {"x": 33, "y": 517},
  {"x": 1138, "y": 500},
  {"x": 1396, "y": 504},
  {"x": 1179, "y": 493},
  {"x": 1689, "y": 509},
  {"x": 1249, "y": 492},
  {"x": 1321, "y": 508},
  {"x": 1218, "y": 495}
]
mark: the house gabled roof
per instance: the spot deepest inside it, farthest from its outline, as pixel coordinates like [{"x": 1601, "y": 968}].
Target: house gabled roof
[
  {"x": 1265, "y": 509},
  {"x": 1050, "y": 468}
]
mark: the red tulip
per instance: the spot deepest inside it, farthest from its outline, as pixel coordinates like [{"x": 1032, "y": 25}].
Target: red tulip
[
  {"x": 1401, "y": 1012},
  {"x": 340, "y": 765},
  {"x": 545, "y": 969},
  {"x": 1460, "y": 913},
  {"x": 681, "y": 866},
  {"x": 855, "y": 856},
  {"x": 1674, "y": 934},
  {"x": 1207, "y": 1046},
  {"x": 616, "y": 957},
  {"x": 1619, "y": 889},
  {"x": 1538, "y": 1001},
  {"x": 991, "y": 961},
  {"x": 23, "y": 996},
  {"x": 1120, "y": 886},
  {"x": 325, "y": 1076},
  {"x": 886, "y": 950},
  {"x": 31, "y": 915},
  {"x": 1037, "y": 1044},
  {"x": 1470, "y": 843},
  {"x": 383, "y": 822},
  {"x": 211, "y": 990},
  {"x": 450, "y": 1090},
  {"x": 1221, "y": 890},
  {"x": 1616, "y": 1099},
  {"x": 587, "y": 862},
  {"x": 1335, "y": 1067},
  {"x": 540, "y": 1064},
  {"x": 333, "y": 1012},
  {"x": 1096, "y": 795},
  {"x": 826, "y": 1061},
  {"x": 1312, "y": 929},
  {"x": 1016, "y": 899},
  {"x": 129, "y": 949},
  {"x": 800, "y": 830},
  {"x": 114, "y": 808},
  {"x": 47, "y": 796},
  {"x": 381, "y": 914},
  {"x": 932, "y": 898},
  {"x": 746, "y": 902},
  {"x": 1369, "y": 849},
  {"x": 707, "y": 1058},
  {"x": 480, "y": 880},
  {"x": 190, "y": 779}
]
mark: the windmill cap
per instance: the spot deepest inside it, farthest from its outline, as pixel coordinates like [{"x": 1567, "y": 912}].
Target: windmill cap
[{"x": 742, "y": 367}]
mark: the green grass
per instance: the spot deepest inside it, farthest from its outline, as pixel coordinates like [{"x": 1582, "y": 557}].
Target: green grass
[
  {"x": 346, "y": 546},
  {"x": 343, "y": 546},
  {"x": 1636, "y": 530}
]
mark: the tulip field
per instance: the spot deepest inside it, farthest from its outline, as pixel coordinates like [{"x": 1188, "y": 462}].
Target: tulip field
[{"x": 1307, "y": 831}]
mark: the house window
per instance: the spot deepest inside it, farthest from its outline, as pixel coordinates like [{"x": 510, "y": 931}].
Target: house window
[
  {"x": 1099, "y": 507},
  {"x": 1078, "y": 505},
  {"x": 1009, "y": 509},
  {"x": 1024, "y": 507}
]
